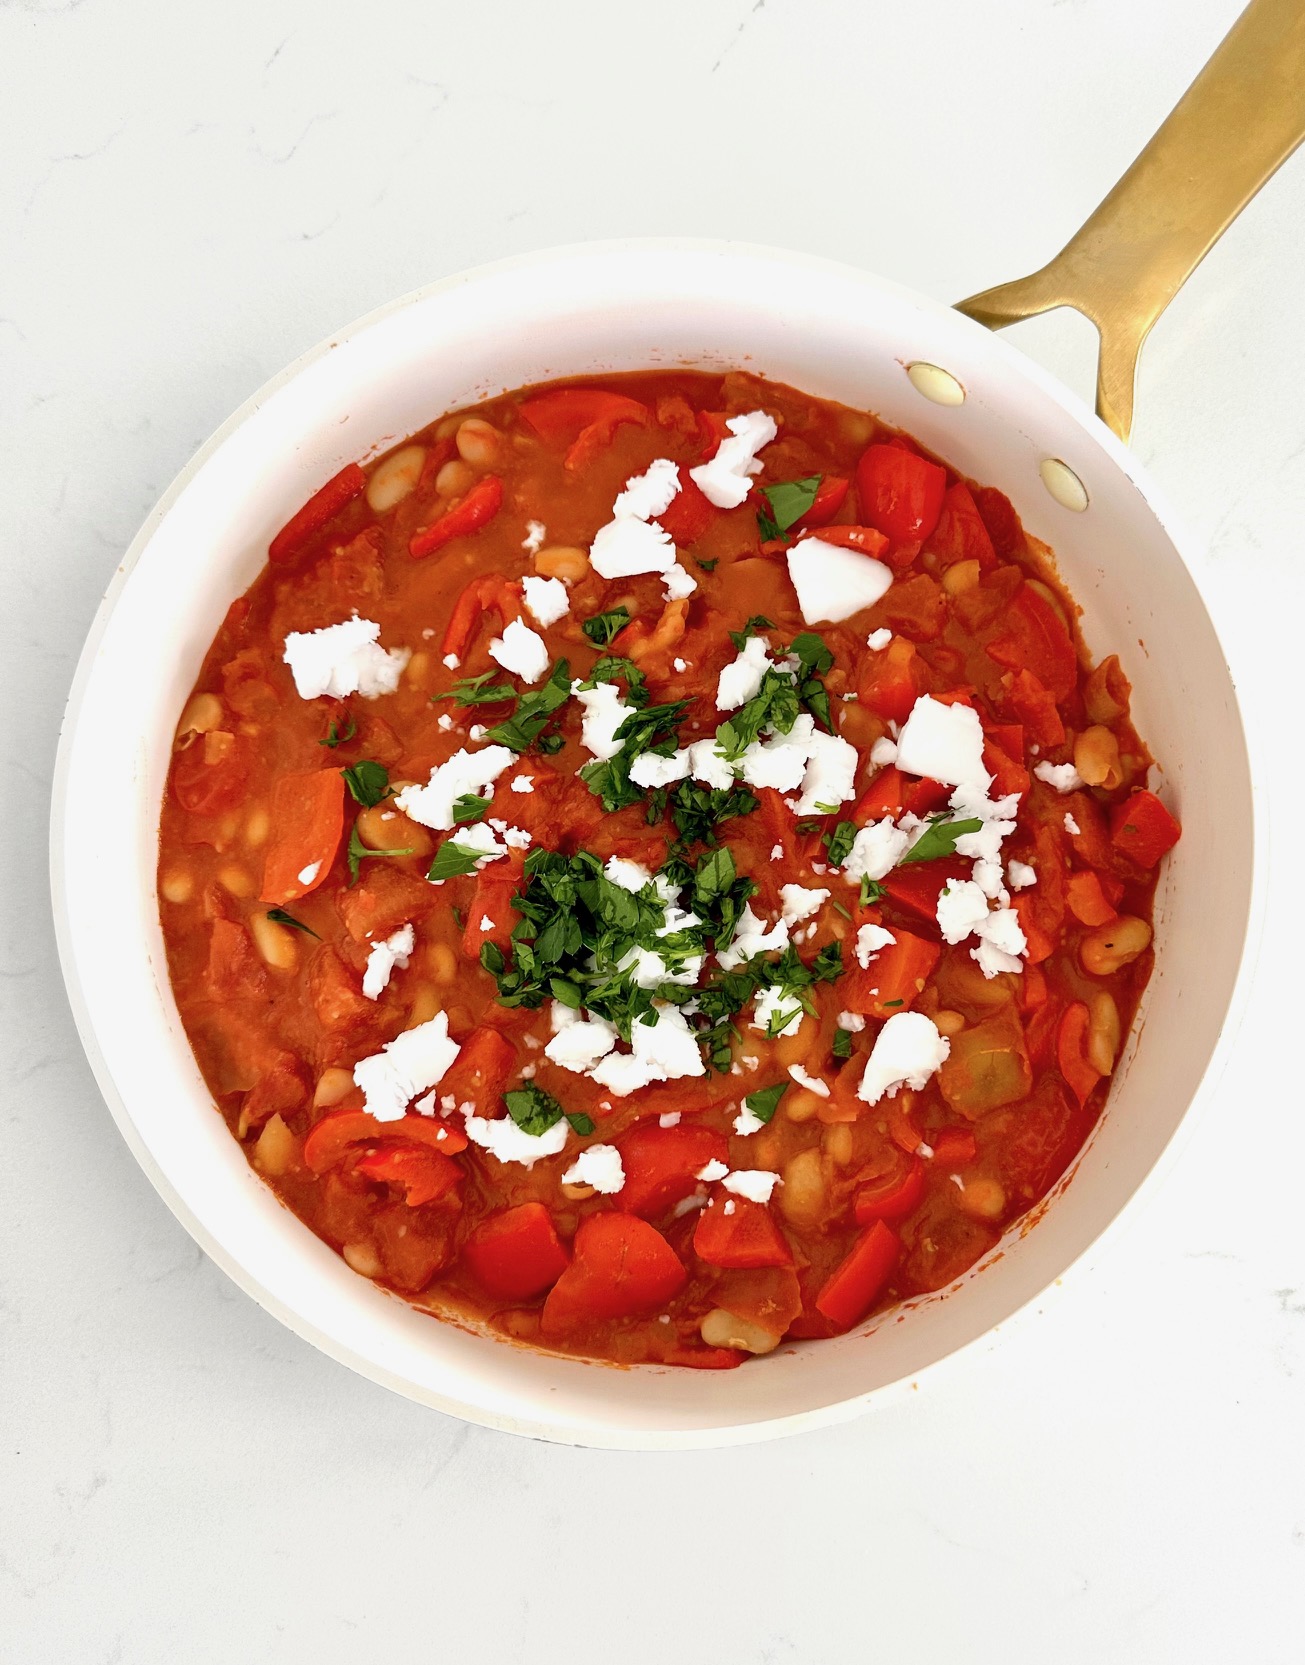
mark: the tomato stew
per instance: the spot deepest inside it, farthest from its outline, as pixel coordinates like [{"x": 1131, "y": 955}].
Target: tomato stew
[{"x": 648, "y": 868}]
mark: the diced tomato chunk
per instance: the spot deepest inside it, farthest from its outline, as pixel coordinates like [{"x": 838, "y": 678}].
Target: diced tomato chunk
[
  {"x": 211, "y": 774},
  {"x": 858, "y": 1281},
  {"x": 621, "y": 1266},
  {"x": 888, "y": 681},
  {"x": 735, "y": 1231},
  {"x": 900, "y": 493},
  {"x": 338, "y": 1132},
  {"x": 1033, "y": 638},
  {"x": 894, "y": 978},
  {"x": 824, "y": 505},
  {"x": 1143, "y": 829},
  {"x": 1071, "y": 1055},
  {"x": 516, "y": 1253},
  {"x": 1087, "y": 899},
  {"x": 481, "y": 1070},
  {"x": 661, "y": 1164},
  {"x": 960, "y": 534},
  {"x": 689, "y": 513},
  {"x": 307, "y": 825}
]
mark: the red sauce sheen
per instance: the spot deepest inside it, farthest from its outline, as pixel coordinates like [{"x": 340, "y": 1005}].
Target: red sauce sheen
[{"x": 704, "y": 1228}]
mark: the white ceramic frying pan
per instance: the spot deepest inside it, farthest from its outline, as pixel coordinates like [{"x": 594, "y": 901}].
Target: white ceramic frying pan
[{"x": 839, "y": 334}]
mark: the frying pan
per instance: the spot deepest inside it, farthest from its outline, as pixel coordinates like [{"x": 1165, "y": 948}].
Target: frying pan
[{"x": 837, "y": 333}]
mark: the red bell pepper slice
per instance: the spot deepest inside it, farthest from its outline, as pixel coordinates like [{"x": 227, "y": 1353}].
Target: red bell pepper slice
[
  {"x": 516, "y": 1253},
  {"x": 705, "y": 1358},
  {"x": 1034, "y": 639},
  {"x": 423, "y": 1175},
  {"x": 476, "y": 509},
  {"x": 1035, "y": 707},
  {"x": 308, "y": 822},
  {"x": 560, "y": 416},
  {"x": 496, "y": 885},
  {"x": 491, "y": 595},
  {"x": 824, "y": 505},
  {"x": 892, "y": 1192},
  {"x": 1143, "y": 828},
  {"x": 334, "y": 1137},
  {"x": 1002, "y": 522},
  {"x": 953, "y": 1147},
  {"x": 322, "y": 507},
  {"x": 866, "y": 540},
  {"x": 1087, "y": 899},
  {"x": 481, "y": 1070},
  {"x": 621, "y": 1266},
  {"x": 858, "y": 1281},
  {"x": 893, "y": 980},
  {"x": 1079, "y": 1075},
  {"x": 900, "y": 493},
  {"x": 689, "y": 513},
  {"x": 737, "y": 1232},
  {"x": 661, "y": 1164},
  {"x": 960, "y": 534},
  {"x": 887, "y": 681},
  {"x": 712, "y": 431}
]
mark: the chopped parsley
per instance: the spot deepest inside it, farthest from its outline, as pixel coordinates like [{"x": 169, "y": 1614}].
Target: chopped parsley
[
  {"x": 469, "y": 807},
  {"x": 358, "y": 852},
  {"x": 871, "y": 891},
  {"x": 612, "y": 669},
  {"x": 838, "y": 842},
  {"x": 707, "y": 566},
  {"x": 454, "y": 860},
  {"x": 525, "y": 727},
  {"x": 774, "y": 705},
  {"x": 754, "y": 627},
  {"x": 788, "y": 501},
  {"x": 368, "y": 782},
  {"x": 939, "y": 839},
  {"x": 532, "y": 1109},
  {"x": 815, "y": 661},
  {"x": 650, "y": 729},
  {"x": 581, "y": 1124},
  {"x": 479, "y": 690},
  {"x": 336, "y": 736},
  {"x": 602, "y": 628},
  {"x": 279, "y": 916},
  {"x": 697, "y": 810},
  {"x": 842, "y": 1047},
  {"x": 765, "y": 1101}
]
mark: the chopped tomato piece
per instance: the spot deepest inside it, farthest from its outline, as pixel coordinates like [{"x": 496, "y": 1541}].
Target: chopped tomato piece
[
  {"x": 866, "y": 540},
  {"x": 894, "y": 978},
  {"x": 890, "y": 1188},
  {"x": 888, "y": 681},
  {"x": 1034, "y": 638},
  {"x": 689, "y": 513},
  {"x": 1002, "y": 522},
  {"x": 705, "y": 1358},
  {"x": 953, "y": 1147},
  {"x": 661, "y": 1164},
  {"x": 234, "y": 968},
  {"x": 1080, "y": 1077},
  {"x": 960, "y": 534},
  {"x": 516, "y": 1253},
  {"x": 321, "y": 508},
  {"x": 1087, "y": 899},
  {"x": 918, "y": 886},
  {"x": 384, "y": 900},
  {"x": 491, "y": 900},
  {"x": 621, "y": 1266},
  {"x": 915, "y": 607},
  {"x": 735, "y": 1231},
  {"x": 424, "y": 1175},
  {"x": 1143, "y": 829},
  {"x": 307, "y": 824},
  {"x": 859, "y": 1280},
  {"x": 1034, "y": 706},
  {"x": 335, "y": 1136},
  {"x": 466, "y": 516},
  {"x": 900, "y": 493},
  {"x": 712, "y": 431},
  {"x": 481, "y": 1070},
  {"x": 211, "y": 774},
  {"x": 560, "y": 416},
  {"x": 824, "y": 505}
]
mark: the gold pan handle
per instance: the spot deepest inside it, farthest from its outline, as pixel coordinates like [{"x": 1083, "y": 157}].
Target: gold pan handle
[{"x": 1232, "y": 129}]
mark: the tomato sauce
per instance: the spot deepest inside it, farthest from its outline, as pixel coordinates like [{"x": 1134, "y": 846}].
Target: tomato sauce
[{"x": 286, "y": 856}]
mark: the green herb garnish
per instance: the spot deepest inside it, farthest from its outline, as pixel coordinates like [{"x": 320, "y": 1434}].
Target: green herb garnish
[
  {"x": 368, "y": 782},
  {"x": 336, "y": 736},
  {"x": 612, "y": 669},
  {"x": 765, "y": 1101},
  {"x": 754, "y": 627},
  {"x": 581, "y": 1124},
  {"x": 602, "y": 628},
  {"x": 698, "y": 810},
  {"x": 469, "y": 807},
  {"x": 839, "y": 841},
  {"x": 707, "y": 566},
  {"x": 871, "y": 891},
  {"x": 789, "y": 500},
  {"x": 816, "y": 660},
  {"x": 358, "y": 852},
  {"x": 842, "y": 1047},
  {"x": 939, "y": 839},
  {"x": 279, "y": 916},
  {"x": 651, "y": 729},
  {"x": 479, "y": 690},
  {"x": 527, "y": 723},
  {"x": 454, "y": 860},
  {"x": 532, "y": 1109}
]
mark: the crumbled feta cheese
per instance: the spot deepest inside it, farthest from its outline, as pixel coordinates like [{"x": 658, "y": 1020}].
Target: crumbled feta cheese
[
  {"x": 1001, "y": 942},
  {"x": 651, "y": 771},
  {"x": 410, "y": 1064},
  {"x": 599, "y": 1166},
  {"x": 773, "y": 1004},
  {"x": 477, "y": 731},
  {"x": 343, "y": 659},
  {"x": 751, "y": 937},
  {"x": 987, "y": 875},
  {"x": 521, "y": 651},
  {"x": 522, "y": 783},
  {"x": 580, "y": 1045},
  {"x": 943, "y": 742},
  {"x": 649, "y": 494},
  {"x": 707, "y": 765},
  {"x": 962, "y": 907},
  {"x": 853, "y": 1022},
  {"x": 834, "y": 583},
  {"x": 679, "y": 583},
  {"x": 883, "y": 752},
  {"x": 800, "y": 901},
  {"x": 777, "y": 852},
  {"x": 486, "y": 923},
  {"x": 444, "y": 722},
  {"x": 875, "y": 851},
  {"x": 812, "y": 1083},
  {"x": 741, "y": 678},
  {"x": 604, "y": 713},
  {"x": 1063, "y": 776},
  {"x": 907, "y": 1051},
  {"x": 830, "y": 775},
  {"x": 306, "y": 875},
  {"x": 870, "y": 940},
  {"x": 465, "y": 772},
  {"x": 383, "y": 957},
  {"x": 1071, "y": 825},
  {"x": 1020, "y": 875},
  {"x": 546, "y": 598},
  {"x": 624, "y": 548},
  {"x": 689, "y": 1205},
  {"x": 712, "y": 1171},
  {"x": 628, "y": 874},
  {"x": 663, "y": 1051},
  {"x": 450, "y": 661},
  {"x": 533, "y": 541},
  {"x": 506, "y": 1142},
  {"x": 780, "y": 760},
  {"x": 562, "y": 1016},
  {"x": 878, "y": 640},
  {"x": 517, "y": 838},
  {"x": 747, "y": 1122},
  {"x": 725, "y": 479},
  {"x": 756, "y": 1184},
  {"x": 669, "y": 1118},
  {"x": 680, "y": 664}
]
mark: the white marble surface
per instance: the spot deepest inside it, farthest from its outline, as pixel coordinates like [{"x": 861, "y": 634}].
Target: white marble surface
[{"x": 189, "y": 196}]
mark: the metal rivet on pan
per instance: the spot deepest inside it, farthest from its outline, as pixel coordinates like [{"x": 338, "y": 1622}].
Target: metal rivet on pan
[
  {"x": 1063, "y": 484},
  {"x": 936, "y": 384}
]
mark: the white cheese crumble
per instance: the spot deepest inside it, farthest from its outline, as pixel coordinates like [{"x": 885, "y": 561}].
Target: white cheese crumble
[
  {"x": 450, "y": 661},
  {"x": 853, "y": 1022},
  {"x": 834, "y": 583},
  {"x": 883, "y": 752},
  {"x": 680, "y": 664},
  {"x": 962, "y": 908},
  {"x": 306, "y": 875},
  {"x": 478, "y": 840},
  {"x": 878, "y": 640},
  {"x": 1071, "y": 825},
  {"x": 669, "y": 1118},
  {"x": 651, "y": 771},
  {"x": 604, "y": 712},
  {"x": 773, "y": 1004},
  {"x": 870, "y": 939},
  {"x": 1020, "y": 875},
  {"x": 410, "y": 1064},
  {"x": 663, "y": 1051},
  {"x": 599, "y": 1166},
  {"x": 780, "y": 760},
  {"x": 875, "y": 851},
  {"x": 649, "y": 494},
  {"x": 343, "y": 659},
  {"x": 625, "y": 548},
  {"x": 708, "y": 765},
  {"x": 712, "y": 1171},
  {"x": 679, "y": 583},
  {"x": 907, "y": 1051},
  {"x": 628, "y": 874},
  {"x": 812, "y": 1083},
  {"x": 1063, "y": 776},
  {"x": 799, "y": 902},
  {"x": 444, "y": 722},
  {"x": 533, "y": 541},
  {"x": 725, "y": 479},
  {"x": 756, "y": 1184},
  {"x": 383, "y": 957},
  {"x": 546, "y": 599},
  {"x": 747, "y": 1122},
  {"x": 829, "y": 778},
  {"x": 944, "y": 743},
  {"x": 521, "y": 651},
  {"x": 506, "y": 1142},
  {"x": 740, "y": 680},
  {"x": 1001, "y": 942},
  {"x": 465, "y": 772},
  {"x": 580, "y": 1045},
  {"x": 752, "y": 936},
  {"x": 522, "y": 783}
]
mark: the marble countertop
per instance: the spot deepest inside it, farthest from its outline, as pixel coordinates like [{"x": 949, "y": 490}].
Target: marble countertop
[{"x": 190, "y": 196}]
